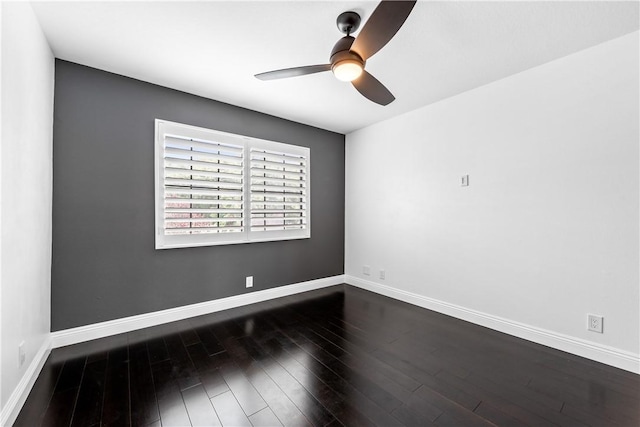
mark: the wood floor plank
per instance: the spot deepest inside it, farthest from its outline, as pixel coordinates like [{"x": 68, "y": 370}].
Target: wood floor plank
[
  {"x": 209, "y": 340},
  {"x": 229, "y": 410},
  {"x": 454, "y": 394},
  {"x": 531, "y": 413},
  {"x": 199, "y": 407},
  {"x": 518, "y": 391},
  {"x": 279, "y": 403},
  {"x": 213, "y": 383},
  {"x": 423, "y": 417},
  {"x": 579, "y": 367},
  {"x": 451, "y": 408},
  {"x": 209, "y": 369},
  {"x": 225, "y": 330},
  {"x": 249, "y": 399},
  {"x": 422, "y": 364},
  {"x": 157, "y": 350},
  {"x": 71, "y": 374},
  {"x": 170, "y": 403},
  {"x": 448, "y": 420},
  {"x": 144, "y": 404},
  {"x": 183, "y": 369},
  {"x": 497, "y": 417},
  {"x": 265, "y": 418},
  {"x": 592, "y": 418},
  {"x": 90, "y": 396},
  {"x": 189, "y": 337},
  {"x": 589, "y": 397},
  {"x": 116, "y": 405},
  {"x": 60, "y": 409},
  {"x": 203, "y": 360}
]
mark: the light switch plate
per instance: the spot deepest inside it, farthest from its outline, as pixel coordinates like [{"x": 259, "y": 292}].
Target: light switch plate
[
  {"x": 464, "y": 181},
  {"x": 21, "y": 355}
]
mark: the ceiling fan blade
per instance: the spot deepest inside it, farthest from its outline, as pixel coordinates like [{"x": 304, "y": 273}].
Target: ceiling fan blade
[
  {"x": 383, "y": 24},
  {"x": 293, "y": 72},
  {"x": 372, "y": 89}
]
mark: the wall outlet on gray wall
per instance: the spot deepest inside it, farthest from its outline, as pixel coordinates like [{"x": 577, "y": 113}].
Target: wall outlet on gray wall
[{"x": 249, "y": 282}]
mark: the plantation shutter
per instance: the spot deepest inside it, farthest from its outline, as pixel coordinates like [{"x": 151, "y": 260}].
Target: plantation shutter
[
  {"x": 203, "y": 186},
  {"x": 218, "y": 188},
  {"x": 279, "y": 189}
]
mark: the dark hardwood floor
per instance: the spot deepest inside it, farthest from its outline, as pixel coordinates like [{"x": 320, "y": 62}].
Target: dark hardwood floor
[{"x": 337, "y": 356}]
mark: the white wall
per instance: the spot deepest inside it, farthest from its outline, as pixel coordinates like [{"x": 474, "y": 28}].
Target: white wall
[
  {"x": 25, "y": 213},
  {"x": 546, "y": 232}
]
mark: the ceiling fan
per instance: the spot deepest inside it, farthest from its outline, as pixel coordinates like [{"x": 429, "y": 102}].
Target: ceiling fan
[{"x": 349, "y": 55}]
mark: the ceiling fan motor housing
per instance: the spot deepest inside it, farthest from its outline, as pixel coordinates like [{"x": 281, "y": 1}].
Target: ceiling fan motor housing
[{"x": 341, "y": 52}]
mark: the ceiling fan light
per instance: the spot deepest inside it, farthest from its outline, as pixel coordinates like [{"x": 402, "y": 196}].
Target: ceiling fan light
[{"x": 347, "y": 70}]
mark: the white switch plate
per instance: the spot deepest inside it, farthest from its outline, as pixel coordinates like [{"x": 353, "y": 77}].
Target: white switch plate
[
  {"x": 249, "y": 282},
  {"x": 464, "y": 181},
  {"x": 366, "y": 270},
  {"x": 595, "y": 323},
  {"x": 21, "y": 355}
]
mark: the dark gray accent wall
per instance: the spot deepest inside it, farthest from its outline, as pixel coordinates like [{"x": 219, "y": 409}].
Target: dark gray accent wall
[{"x": 104, "y": 263}]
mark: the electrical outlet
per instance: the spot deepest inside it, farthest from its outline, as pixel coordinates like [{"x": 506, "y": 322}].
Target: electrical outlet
[
  {"x": 382, "y": 274},
  {"x": 249, "y": 282},
  {"x": 21, "y": 355},
  {"x": 464, "y": 181},
  {"x": 366, "y": 270},
  {"x": 595, "y": 323}
]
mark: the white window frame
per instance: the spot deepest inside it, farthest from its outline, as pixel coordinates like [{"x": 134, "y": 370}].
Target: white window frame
[{"x": 164, "y": 128}]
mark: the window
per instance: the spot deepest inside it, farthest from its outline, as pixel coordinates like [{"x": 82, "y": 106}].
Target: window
[{"x": 215, "y": 188}]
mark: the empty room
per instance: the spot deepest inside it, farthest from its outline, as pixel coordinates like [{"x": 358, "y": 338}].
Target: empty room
[{"x": 320, "y": 213}]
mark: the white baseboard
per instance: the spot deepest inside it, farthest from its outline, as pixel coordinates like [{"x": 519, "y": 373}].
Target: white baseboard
[
  {"x": 13, "y": 406},
  {"x": 590, "y": 350},
  {"x": 127, "y": 324}
]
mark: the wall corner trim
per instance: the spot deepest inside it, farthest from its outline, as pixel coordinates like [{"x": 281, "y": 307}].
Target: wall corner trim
[
  {"x": 126, "y": 324},
  {"x": 590, "y": 350},
  {"x": 21, "y": 392}
]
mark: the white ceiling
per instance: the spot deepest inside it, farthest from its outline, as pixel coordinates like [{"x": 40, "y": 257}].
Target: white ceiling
[{"x": 213, "y": 48}]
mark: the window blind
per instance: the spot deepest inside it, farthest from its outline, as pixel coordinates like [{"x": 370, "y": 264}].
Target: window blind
[
  {"x": 218, "y": 188},
  {"x": 278, "y": 190},
  {"x": 203, "y": 186}
]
